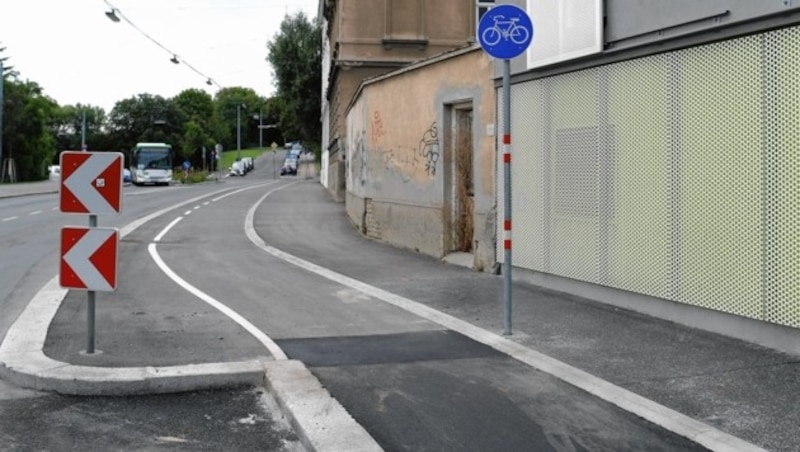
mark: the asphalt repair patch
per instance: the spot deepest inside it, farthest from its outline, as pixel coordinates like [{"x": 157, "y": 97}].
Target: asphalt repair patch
[{"x": 385, "y": 348}]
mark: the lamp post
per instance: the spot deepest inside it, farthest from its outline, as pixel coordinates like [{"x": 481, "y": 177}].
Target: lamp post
[
  {"x": 83, "y": 130},
  {"x": 260, "y": 118},
  {"x": 238, "y": 131}
]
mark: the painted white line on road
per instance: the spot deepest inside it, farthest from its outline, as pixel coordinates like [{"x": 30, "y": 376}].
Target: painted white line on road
[
  {"x": 22, "y": 358},
  {"x": 35, "y": 212},
  {"x": 10, "y": 218},
  {"x": 207, "y": 203},
  {"x": 665, "y": 417},
  {"x": 273, "y": 348},
  {"x": 188, "y": 212},
  {"x": 240, "y": 190},
  {"x": 197, "y": 207},
  {"x": 166, "y": 229}
]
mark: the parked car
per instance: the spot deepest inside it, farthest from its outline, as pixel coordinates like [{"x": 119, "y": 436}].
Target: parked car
[
  {"x": 126, "y": 175},
  {"x": 289, "y": 167},
  {"x": 54, "y": 172},
  {"x": 237, "y": 169},
  {"x": 249, "y": 164}
]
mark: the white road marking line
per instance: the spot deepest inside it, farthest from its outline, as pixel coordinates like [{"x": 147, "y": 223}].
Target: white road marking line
[
  {"x": 10, "y": 218},
  {"x": 197, "y": 207},
  {"x": 188, "y": 212},
  {"x": 35, "y": 212},
  {"x": 665, "y": 417},
  {"x": 273, "y": 348},
  {"x": 166, "y": 229},
  {"x": 239, "y": 191}
]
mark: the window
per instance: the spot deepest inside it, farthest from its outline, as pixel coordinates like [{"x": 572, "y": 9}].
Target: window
[{"x": 483, "y": 6}]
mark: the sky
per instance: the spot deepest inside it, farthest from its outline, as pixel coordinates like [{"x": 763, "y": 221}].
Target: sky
[{"x": 78, "y": 55}]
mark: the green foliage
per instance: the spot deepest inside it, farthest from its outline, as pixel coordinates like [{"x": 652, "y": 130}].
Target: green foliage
[
  {"x": 67, "y": 123},
  {"x": 27, "y": 135},
  {"x": 295, "y": 54},
  {"x": 195, "y": 177},
  {"x": 194, "y": 138},
  {"x": 227, "y": 103},
  {"x": 146, "y": 118}
]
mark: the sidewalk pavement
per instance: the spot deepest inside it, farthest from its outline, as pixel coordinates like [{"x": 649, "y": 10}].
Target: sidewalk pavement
[
  {"x": 723, "y": 393},
  {"x": 8, "y": 190}
]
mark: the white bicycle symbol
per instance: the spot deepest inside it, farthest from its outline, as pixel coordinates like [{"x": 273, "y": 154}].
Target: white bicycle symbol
[{"x": 505, "y": 29}]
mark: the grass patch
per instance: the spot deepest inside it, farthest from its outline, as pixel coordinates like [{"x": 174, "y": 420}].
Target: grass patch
[{"x": 228, "y": 157}]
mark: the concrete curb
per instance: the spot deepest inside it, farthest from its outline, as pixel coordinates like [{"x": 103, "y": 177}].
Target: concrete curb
[
  {"x": 321, "y": 421},
  {"x": 37, "y": 371}
]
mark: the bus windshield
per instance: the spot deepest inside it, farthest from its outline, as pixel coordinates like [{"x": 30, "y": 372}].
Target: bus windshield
[{"x": 153, "y": 158}]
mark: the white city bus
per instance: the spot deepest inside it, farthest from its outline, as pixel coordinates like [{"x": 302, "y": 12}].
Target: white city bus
[{"x": 151, "y": 163}]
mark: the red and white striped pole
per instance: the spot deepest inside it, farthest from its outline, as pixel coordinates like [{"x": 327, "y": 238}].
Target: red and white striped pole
[{"x": 507, "y": 196}]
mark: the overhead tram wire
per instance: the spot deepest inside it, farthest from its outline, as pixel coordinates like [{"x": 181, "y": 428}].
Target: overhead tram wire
[{"x": 115, "y": 15}]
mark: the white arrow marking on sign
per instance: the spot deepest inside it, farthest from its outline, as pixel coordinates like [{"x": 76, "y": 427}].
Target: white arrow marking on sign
[
  {"x": 80, "y": 182},
  {"x": 78, "y": 258}
]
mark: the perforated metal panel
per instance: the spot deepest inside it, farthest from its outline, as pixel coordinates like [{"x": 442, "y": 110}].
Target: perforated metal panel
[{"x": 675, "y": 175}]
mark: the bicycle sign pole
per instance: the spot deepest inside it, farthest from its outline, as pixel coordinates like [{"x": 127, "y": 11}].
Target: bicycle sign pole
[{"x": 505, "y": 32}]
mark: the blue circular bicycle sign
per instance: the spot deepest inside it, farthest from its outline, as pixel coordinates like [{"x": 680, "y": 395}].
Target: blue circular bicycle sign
[{"x": 505, "y": 31}]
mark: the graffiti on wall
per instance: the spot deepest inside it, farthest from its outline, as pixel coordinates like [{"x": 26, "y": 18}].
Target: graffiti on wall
[
  {"x": 402, "y": 161},
  {"x": 378, "y": 131},
  {"x": 429, "y": 149},
  {"x": 415, "y": 162}
]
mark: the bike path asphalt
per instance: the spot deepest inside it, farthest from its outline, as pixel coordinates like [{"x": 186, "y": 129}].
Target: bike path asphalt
[{"x": 723, "y": 393}]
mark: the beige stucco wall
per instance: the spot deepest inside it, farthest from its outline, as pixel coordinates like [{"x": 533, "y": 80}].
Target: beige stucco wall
[{"x": 398, "y": 164}]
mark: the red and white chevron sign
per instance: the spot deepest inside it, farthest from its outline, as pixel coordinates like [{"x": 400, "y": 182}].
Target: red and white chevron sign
[
  {"x": 89, "y": 258},
  {"x": 91, "y": 182}
]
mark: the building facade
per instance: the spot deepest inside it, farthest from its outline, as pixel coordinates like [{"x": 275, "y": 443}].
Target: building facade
[
  {"x": 658, "y": 168},
  {"x": 420, "y": 170},
  {"x": 364, "y": 38}
]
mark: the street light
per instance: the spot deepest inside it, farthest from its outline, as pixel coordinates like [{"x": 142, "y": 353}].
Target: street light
[
  {"x": 112, "y": 15},
  {"x": 260, "y": 118},
  {"x": 239, "y": 131}
]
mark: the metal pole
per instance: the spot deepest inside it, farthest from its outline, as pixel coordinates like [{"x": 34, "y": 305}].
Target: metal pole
[
  {"x": 238, "y": 131},
  {"x": 507, "y": 194},
  {"x": 260, "y": 130},
  {"x": 2, "y": 83},
  {"x": 83, "y": 130},
  {"x": 90, "y": 308}
]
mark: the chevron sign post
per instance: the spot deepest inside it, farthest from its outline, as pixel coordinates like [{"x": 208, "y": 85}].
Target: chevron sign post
[
  {"x": 89, "y": 258},
  {"x": 91, "y": 183}
]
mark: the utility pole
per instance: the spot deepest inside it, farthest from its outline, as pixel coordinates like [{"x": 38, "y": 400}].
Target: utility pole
[
  {"x": 238, "y": 131},
  {"x": 83, "y": 129},
  {"x": 260, "y": 129}
]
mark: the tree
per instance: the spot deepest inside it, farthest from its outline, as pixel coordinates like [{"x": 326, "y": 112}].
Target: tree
[
  {"x": 146, "y": 118},
  {"x": 8, "y": 71},
  {"x": 295, "y": 54},
  {"x": 27, "y": 137},
  {"x": 196, "y": 105},
  {"x": 227, "y": 103},
  {"x": 67, "y": 125}
]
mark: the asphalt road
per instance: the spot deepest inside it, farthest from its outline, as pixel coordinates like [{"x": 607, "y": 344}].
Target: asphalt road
[{"x": 412, "y": 383}]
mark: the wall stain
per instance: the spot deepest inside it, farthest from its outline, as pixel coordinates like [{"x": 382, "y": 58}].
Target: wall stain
[{"x": 361, "y": 151}]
